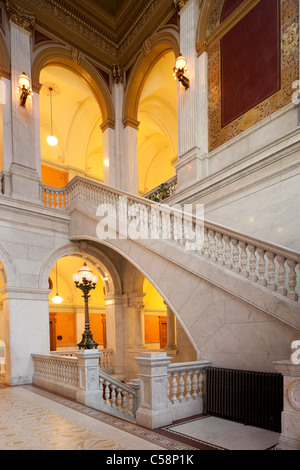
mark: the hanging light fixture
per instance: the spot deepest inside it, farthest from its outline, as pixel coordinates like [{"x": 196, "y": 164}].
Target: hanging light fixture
[
  {"x": 51, "y": 139},
  {"x": 57, "y": 299}
]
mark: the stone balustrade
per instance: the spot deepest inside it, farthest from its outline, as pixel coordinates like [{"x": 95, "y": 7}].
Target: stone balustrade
[
  {"x": 77, "y": 374},
  {"x": 268, "y": 265},
  {"x": 186, "y": 388},
  {"x": 119, "y": 399}
]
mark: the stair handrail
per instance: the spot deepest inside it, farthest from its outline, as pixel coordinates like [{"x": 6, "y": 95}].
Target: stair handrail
[{"x": 241, "y": 253}]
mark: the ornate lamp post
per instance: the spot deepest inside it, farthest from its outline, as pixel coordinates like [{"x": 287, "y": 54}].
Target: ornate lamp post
[{"x": 85, "y": 280}]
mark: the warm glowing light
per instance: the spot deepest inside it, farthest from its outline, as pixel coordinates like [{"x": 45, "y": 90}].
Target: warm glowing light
[
  {"x": 24, "y": 81},
  {"x": 57, "y": 299},
  {"x": 52, "y": 140},
  {"x": 85, "y": 274},
  {"x": 180, "y": 63}
]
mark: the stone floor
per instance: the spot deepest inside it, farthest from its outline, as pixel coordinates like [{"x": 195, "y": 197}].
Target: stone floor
[{"x": 34, "y": 419}]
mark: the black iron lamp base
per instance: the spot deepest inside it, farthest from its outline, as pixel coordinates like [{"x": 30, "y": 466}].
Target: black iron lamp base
[{"x": 87, "y": 341}]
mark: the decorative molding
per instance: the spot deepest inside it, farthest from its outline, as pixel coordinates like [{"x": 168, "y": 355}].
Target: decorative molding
[
  {"x": 107, "y": 124},
  {"x": 226, "y": 26},
  {"x": 76, "y": 55},
  {"x": 19, "y": 17},
  {"x": 118, "y": 74},
  {"x": 65, "y": 18},
  {"x": 131, "y": 122},
  {"x": 179, "y": 4},
  {"x": 147, "y": 46}
]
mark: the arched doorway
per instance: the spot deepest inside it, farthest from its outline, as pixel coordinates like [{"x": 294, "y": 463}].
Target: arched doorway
[
  {"x": 157, "y": 134},
  {"x": 66, "y": 319},
  {"x": 69, "y": 111}
]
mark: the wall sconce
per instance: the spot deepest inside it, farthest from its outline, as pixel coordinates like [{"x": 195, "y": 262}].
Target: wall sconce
[
  {"x": 24, "y": 88},
  {"x": 179, "y": 71}
]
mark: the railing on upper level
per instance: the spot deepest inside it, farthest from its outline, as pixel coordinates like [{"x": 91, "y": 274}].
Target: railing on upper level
[{"x": 263, "y": 263}]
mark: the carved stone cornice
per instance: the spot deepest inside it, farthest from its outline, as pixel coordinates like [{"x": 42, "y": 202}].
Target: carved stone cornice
[
  {"x": 92, "y": 36},
  {"x": 18, "y": 16}
]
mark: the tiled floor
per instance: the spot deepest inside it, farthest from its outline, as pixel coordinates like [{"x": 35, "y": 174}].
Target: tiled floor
[{"x": 34, "y": 419}]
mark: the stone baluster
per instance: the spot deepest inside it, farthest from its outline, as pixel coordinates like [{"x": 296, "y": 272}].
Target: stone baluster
[
  {"x": 227, "y": 251},
  {"x": 281, "y": 275},
  {"x": 212, "y": 245},
  {"x": 195, "y": 384},
  {"x": 252, "y": 263},
  {"x": 235, "y": 256},
  {"x": 205, "y": 243},
  {"x": 220, "y": 259},
  {"x": 181, "y": 386},
  {"x": 261, "y": 267},
  {"x": 271, "y": 271},
  {"x": 174, "y": 388},
  {"x": 292, "y": 280},
  {"x": 244, "y": 259}
]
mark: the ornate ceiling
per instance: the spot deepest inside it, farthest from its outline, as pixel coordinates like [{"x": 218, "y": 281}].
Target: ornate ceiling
[{"x": 110, "y": 31}]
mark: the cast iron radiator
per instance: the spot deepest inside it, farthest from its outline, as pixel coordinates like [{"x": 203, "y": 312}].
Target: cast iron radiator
[{"x": 252, "y": 398}]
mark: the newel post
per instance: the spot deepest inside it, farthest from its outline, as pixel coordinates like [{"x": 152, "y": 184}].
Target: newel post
[
  {"x": 89, "y": 392},
  {"x": 290, "y": 417},
  {"x": 153, "y": 411}
]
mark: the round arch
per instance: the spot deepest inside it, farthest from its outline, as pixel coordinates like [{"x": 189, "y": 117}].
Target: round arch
[
  {"x": 95, "y": 256},
  {"x": 8, "y": 269},
  {"x": 139, "y": 278},
  {"x": 160, "y": 44},
  {"x": 61, "y": 56}
]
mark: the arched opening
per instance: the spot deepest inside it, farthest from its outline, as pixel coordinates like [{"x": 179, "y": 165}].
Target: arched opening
[
  {"x": 69, "y": 111},
  {"x": 157, "y": 114},
  {"x": 66, "y": 319}
]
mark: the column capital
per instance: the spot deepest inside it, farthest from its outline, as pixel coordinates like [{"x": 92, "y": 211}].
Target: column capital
[{"x": 17, "y": 16}]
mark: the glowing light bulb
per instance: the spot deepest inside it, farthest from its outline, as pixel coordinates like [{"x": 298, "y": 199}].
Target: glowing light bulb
[{"x": 52, "y": 140}]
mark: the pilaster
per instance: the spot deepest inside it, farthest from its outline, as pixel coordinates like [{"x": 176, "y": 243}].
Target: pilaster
[
  {"x": 192, "y": 103},
  {"x": 25, "y": 180}
]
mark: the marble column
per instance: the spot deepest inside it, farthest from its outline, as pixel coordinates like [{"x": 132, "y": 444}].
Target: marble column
[
  {"x": 171, "y": 336},
  {"x": 192, "y": 103},
  {"x": 114, "y": 308},
  {"x": 135, "y": 303},
  {"x": 25, "y": 180},
  {"x": 113, "y": 151},
  {"x": 131, "y": 177}
]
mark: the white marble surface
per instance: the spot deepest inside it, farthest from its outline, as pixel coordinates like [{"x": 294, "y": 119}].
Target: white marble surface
[{"x": 228, "y": 434}]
